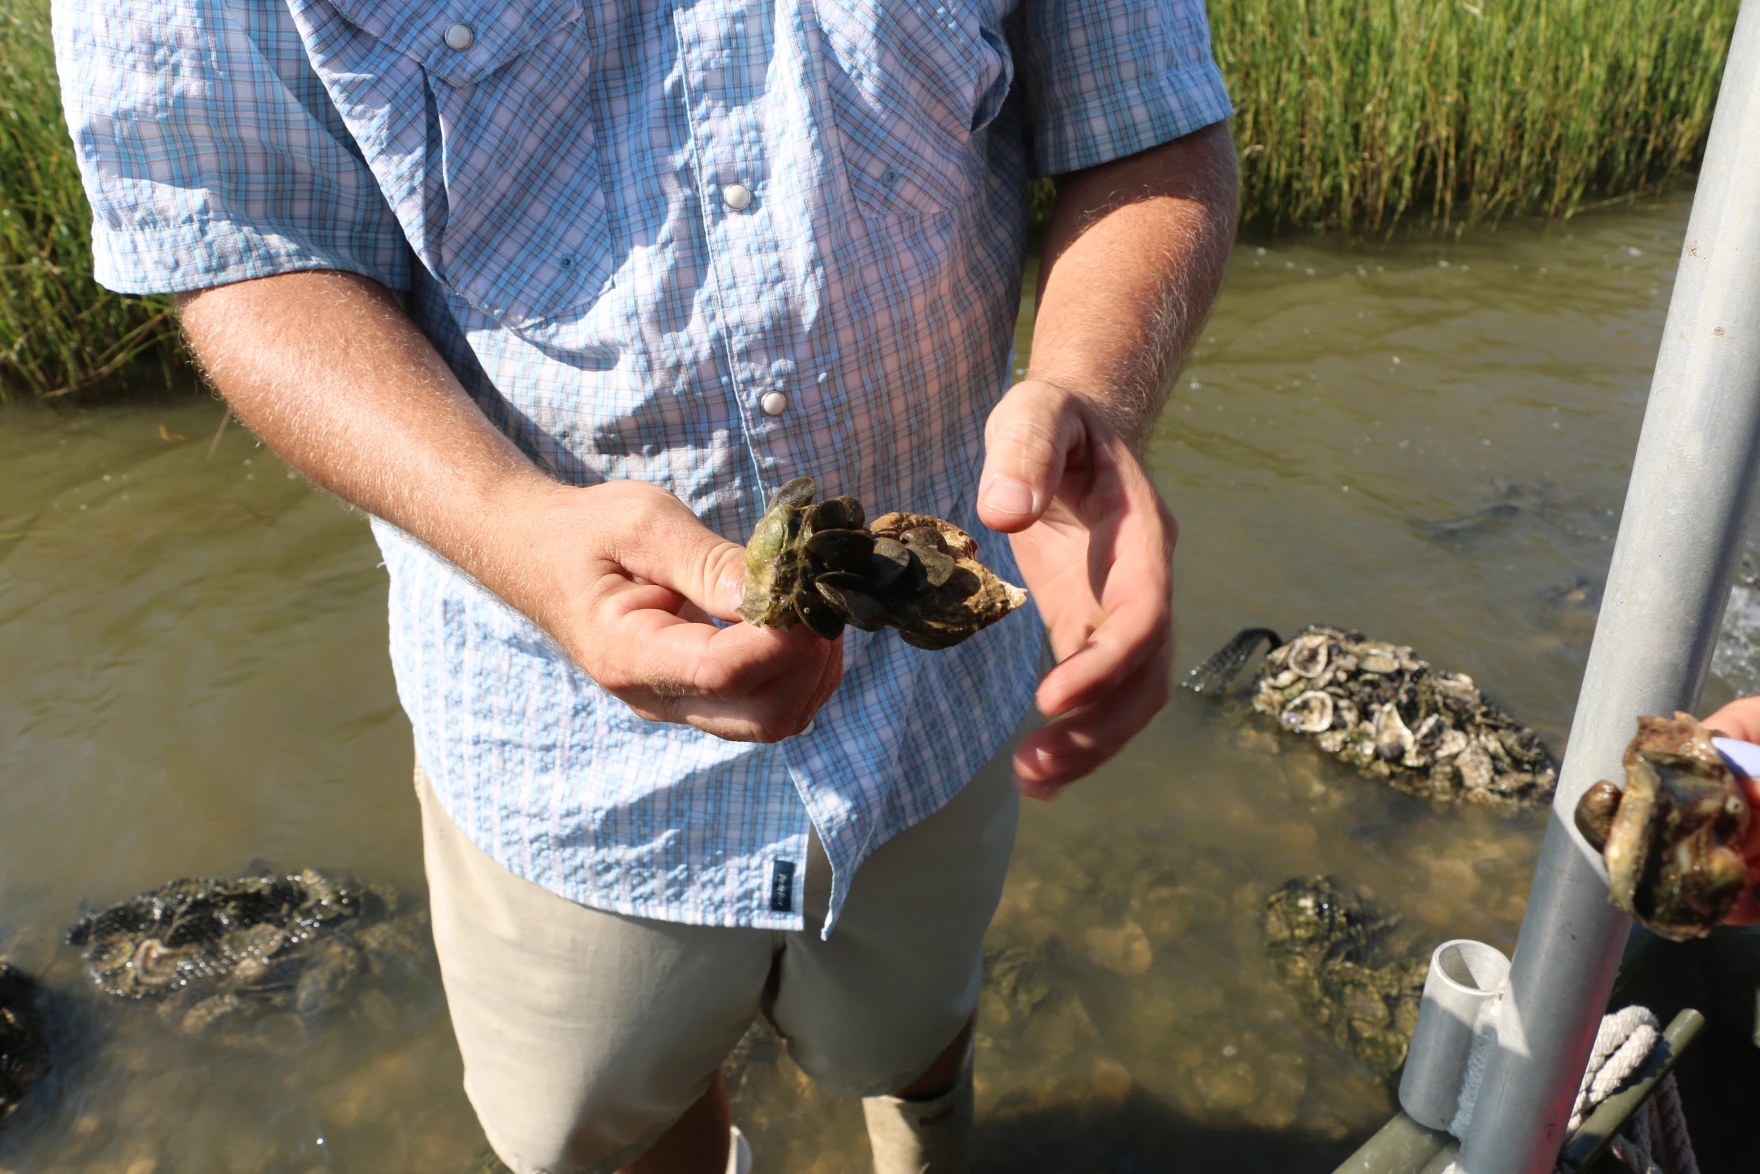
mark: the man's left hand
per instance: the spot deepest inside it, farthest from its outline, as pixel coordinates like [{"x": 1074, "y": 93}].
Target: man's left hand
[{"x": 1095, "y": 543}]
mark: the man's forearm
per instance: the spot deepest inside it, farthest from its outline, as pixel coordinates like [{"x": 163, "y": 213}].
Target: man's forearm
[
  {"x": 330, "y": 373},
  {"x": 1133, "y": 258}
]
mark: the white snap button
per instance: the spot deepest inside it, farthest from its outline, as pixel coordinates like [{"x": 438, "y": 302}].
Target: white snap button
[
  {"x": 774, "y": 403},
  {"x": 737, "y": 195},
  {"x": 460, "y": 37}
]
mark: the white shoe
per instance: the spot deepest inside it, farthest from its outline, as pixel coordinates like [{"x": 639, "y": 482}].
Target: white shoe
[{"x": 739, "y": 1154}]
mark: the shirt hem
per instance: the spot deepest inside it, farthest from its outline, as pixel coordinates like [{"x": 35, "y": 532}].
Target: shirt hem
[{"x": 214, "y": 253}]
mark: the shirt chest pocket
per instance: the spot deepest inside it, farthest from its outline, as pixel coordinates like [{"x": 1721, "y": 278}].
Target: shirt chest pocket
[
  {"x": 911, "y": 83},
  {"x": 480, "y": 130}
]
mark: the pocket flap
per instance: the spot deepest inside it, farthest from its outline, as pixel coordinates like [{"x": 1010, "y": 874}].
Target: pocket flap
[{"x": 432, "y": 31}]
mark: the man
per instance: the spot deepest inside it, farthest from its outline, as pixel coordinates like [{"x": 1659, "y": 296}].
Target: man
[{"x": 559, "y": 293}]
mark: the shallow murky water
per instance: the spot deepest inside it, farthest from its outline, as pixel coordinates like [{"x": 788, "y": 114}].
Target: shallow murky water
[{"x": 1428, "y": 442}]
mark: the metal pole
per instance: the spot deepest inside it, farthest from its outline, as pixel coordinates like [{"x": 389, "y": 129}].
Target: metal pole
[{"x": 1687, "y": 507}]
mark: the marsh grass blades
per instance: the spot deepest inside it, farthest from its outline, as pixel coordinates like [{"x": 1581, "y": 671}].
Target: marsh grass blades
[
  {"x": 59, "y": 332},
  {"x": 1362, "y": 115}
]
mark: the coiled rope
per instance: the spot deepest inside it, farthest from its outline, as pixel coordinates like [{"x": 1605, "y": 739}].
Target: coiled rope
[{"x": 1654, "y": 1140}]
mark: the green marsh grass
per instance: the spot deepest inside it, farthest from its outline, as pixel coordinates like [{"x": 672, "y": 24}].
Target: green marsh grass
[
  {"x": 1364, "y": 115},
  {"x": 1355, "y": 116},
  {"x": 59, "y": 332}
]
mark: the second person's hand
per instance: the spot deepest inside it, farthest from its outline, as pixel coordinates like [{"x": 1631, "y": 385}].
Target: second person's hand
[{"x": 1740, "y": 719}]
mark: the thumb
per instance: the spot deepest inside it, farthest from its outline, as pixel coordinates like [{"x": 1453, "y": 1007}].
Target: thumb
[
  {"x": 662, "y": 542},
  {"x": 1025, "y": 443}
]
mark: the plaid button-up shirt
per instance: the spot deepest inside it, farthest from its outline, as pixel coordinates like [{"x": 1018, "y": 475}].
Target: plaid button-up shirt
[{"x": 711, "y": 244}]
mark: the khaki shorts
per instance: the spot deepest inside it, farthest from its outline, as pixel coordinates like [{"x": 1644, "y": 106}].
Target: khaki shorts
[{"x": 586, "y": 1034}]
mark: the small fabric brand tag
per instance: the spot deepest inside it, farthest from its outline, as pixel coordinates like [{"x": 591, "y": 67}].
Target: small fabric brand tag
[{"x": 782, "y": 886}]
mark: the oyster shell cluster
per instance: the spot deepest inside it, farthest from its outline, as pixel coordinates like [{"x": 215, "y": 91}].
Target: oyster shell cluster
[
  {"x": 24, "y": 1053},
  {"x": 205, "y": 949},
  {"x": 1380, "y": 708},
  {"x": 820, "y": 564},
  {"x": 1332, "y": 950},
  {"x": 1672, "y": 839}
]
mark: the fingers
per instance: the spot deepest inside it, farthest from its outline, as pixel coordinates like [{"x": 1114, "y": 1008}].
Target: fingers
[
  {"x": 786, "y": 677},
  {"x": 1056, "y": 755},
  {"x": 643, "y": 647},
  {"x": 661, "y": 541},
  {"x": 1739, "y": 719},
  {"x": 772, "y": 714},
  {"x": 1747, "y": 910},
  {"x": 1131, "y": 560},
  {"x": 1026, "y": 443},
  {"x": 1132, "y": 628}
]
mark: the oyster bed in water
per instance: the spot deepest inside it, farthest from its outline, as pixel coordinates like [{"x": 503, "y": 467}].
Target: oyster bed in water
[
  {"x": 1380, "y": 708},
  {"x": 24, "y": 1053},
  {"x": 1672, "y": 840},
  {"x": 1334, "y": 952},
  {"x": 206, "y": 949}
]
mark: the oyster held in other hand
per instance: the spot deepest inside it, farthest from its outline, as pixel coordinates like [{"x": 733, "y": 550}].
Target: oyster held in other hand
[
  {"x": 816, "y": 563},
  {"x": 1672, "y": 838}
]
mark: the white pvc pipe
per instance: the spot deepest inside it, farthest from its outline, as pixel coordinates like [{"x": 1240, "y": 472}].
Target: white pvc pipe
[{"x": 1465, "y": 980}]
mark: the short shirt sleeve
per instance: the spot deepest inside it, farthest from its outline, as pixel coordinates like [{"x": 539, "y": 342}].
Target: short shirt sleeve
[
  {"x": 1103, "y": 79},
  {"x": 210, "y": 151}
]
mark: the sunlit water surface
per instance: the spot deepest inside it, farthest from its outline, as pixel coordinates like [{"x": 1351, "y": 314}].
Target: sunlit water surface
[{"x": 195, "y": 678}]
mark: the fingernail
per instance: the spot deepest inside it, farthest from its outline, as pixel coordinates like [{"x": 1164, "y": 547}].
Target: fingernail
[{"x": 1008, "y": 496}]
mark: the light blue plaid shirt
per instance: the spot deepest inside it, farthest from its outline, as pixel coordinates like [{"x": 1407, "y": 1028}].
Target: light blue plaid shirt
[{"x": 625, "y": 225}]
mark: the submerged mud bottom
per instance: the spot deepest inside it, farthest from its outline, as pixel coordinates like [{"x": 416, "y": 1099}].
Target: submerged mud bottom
[{"x": 200, "y": 679}]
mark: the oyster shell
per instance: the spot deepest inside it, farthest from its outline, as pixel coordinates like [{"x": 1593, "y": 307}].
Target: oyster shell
[
  {"x": 1672, "y": 838},
  {"x": 817, "y": 563},
  {"x": 1311, "y": 713}
]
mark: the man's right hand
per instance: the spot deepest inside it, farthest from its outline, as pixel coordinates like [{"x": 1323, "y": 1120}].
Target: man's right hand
[
  {"x": 330, "y": 373},
  {"x": 636, "y": 577}
]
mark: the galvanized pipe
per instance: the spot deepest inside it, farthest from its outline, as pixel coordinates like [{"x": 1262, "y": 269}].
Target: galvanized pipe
[{"x": 1687, "y": 507}]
